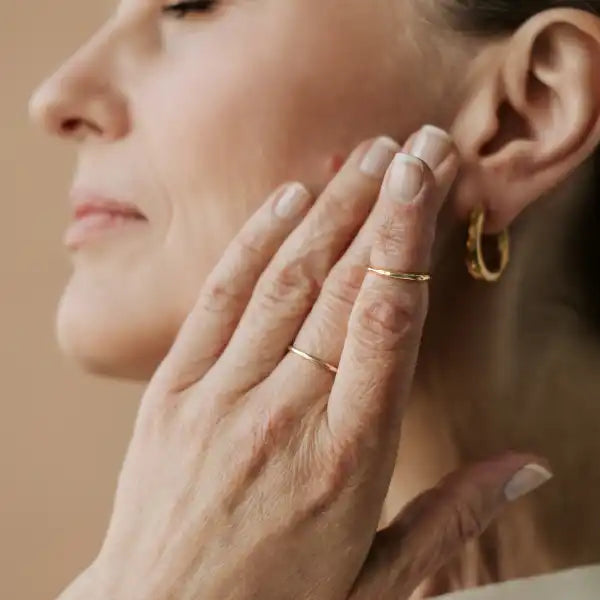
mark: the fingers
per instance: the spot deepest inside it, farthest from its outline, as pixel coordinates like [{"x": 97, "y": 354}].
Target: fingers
[
  {"x": 437, "y": 524},
  {"x": 289, "y": 286},
  {"x": 228, "y": 288},
  {"x": 324, "y": 331},
  {"x": 386, "y": 322}
]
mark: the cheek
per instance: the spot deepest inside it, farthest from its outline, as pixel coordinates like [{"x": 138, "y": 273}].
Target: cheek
[
  {"x": 230, "y": 120},
  {"x": 233, "y": 115},
  {"x": 220, "y": 144},
  {"x": 231, "y": 130},
  {"x": 212, "y": 137}
]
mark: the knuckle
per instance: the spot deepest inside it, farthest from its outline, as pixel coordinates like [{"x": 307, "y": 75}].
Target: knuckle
[
  {"x": 293, "y": 285},
  {"x": 335, "y": 470},
  {"x": 259, "y": 440},
  {"x": 468, "y": 521},
  {"x": 251, "y": 244},
  {"x": 164, "y": 415},
  {"x": 385, "y": 322},
  {"x": 345, "y": 459},
  {"x": 391, "y": 237},
  {"x": 220, "y": 295},
  {"x": 341, "y": 203},
  {"x": 345, "y": 284},
  {"x": 336, "y": 196},
  {"x": 337, "y": 299},
  {"x": 406, "y": 230},
  {"x": 273, "y": 428}
]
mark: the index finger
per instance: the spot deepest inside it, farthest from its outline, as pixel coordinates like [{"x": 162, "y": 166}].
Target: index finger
[{"x": 385, "y": 328}]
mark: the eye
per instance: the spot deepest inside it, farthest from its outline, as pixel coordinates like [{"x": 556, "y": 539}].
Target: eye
[{"x": 180, "y": 9}]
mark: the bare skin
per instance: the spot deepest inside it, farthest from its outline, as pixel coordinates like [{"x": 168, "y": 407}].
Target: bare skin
[
  {"x": 254, "y": 474},
  {"x": 165, "y": 111}
]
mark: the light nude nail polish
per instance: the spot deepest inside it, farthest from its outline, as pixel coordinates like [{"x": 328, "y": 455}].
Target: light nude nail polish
[
  {"x": 432, "y": 145},
  {"x": 379, "y": 156},
  {"x": 292, "y": 201},
  {"x": 406, "y": 177},
  {"x": 528, "y": 479}
]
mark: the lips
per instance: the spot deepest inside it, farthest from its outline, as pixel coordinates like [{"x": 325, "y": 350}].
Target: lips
[
  {"x": 86, "y": 204},
  {"x": 94, "y": 216}
]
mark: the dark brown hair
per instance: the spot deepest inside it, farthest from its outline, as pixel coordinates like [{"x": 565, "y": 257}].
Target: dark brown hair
[{"x": 501, "y": 16}]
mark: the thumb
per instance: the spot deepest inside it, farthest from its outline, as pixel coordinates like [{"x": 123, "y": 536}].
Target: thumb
[{"x": 432, "y": 528}]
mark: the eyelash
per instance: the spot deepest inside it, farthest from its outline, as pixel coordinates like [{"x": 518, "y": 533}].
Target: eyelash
[{"x": 181, "y": 9}]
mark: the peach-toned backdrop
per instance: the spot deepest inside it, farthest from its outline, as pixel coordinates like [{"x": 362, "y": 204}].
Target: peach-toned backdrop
[{"x": 62, "y": 433}]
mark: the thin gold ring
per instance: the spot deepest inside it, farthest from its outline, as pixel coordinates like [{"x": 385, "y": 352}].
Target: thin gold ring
[
  {"x": 418, "y": 277},
  {"x": 314, "y": 360}
]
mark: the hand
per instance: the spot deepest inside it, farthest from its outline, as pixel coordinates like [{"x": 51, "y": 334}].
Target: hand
[{"x": 253, "y": 473}]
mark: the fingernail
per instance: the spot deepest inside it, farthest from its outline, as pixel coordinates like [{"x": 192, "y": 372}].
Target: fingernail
[
  {"x": 406, "y": 177},
  {"x": 526, "y": 480},
  {"x": 432, "y": 145},
  {"x": 379, "y": 156},
  {"x": 292, "y": 201}
]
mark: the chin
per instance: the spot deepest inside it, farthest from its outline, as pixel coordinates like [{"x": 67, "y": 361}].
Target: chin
[{"x": 106, "y": 339}]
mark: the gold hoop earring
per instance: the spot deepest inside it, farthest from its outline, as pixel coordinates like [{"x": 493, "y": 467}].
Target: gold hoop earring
[{"x": 475, "y": 260}]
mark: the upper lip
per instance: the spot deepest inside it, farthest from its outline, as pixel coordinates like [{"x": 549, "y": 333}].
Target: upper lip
[{"x": 85, "y": 202}]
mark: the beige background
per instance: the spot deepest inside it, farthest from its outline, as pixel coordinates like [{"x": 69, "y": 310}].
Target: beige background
[{"x": 62, "y": 433}]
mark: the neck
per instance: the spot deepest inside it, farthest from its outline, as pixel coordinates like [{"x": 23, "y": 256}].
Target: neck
[{"x": 514, "y": 366}]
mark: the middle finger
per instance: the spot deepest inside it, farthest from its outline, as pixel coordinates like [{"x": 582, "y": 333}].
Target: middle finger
[
  {"x": 290, "y": 285},
  {"x": 324, "y": 330}
]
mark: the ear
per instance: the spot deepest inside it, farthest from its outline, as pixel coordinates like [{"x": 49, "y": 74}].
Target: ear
[{"x": 533, "y": 115}]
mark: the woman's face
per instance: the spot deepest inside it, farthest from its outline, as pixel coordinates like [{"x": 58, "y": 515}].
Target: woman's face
[{"x": 195, "y": 120}]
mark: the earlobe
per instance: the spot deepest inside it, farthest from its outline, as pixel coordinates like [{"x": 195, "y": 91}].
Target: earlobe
[{"x": 534, "y": 115}]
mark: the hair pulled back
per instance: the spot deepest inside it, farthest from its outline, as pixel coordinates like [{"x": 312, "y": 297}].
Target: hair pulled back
[{"x": 501, "y": 16}]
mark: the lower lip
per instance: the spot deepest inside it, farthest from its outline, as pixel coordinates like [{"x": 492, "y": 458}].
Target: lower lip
[{"x": 95, "y": 226}]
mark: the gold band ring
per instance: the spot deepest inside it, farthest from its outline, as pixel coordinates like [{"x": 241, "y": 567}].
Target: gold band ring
[
  {"x": 314, "y": 360},
  {"x": 418, "y": 277}
]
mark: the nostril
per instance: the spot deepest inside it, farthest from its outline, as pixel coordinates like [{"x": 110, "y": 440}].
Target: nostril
[
  {"x": 76, "y": 127},
  {"x": 73, "y": 107},
  {"x": 69, "y": 126}
]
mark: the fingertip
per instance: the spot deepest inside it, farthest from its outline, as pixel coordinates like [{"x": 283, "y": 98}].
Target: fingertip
[
  {"x": 292, "y": 201},
  {"x": 526, "y": 480},
  {"x": 510, "y": 476},
  {"x": 405, "y": 177},
  {"x": 377, "y": 159},
  {"x": 432, "y": 145}
]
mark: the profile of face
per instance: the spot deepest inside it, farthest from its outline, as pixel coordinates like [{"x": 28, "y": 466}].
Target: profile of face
[{"x": 195, "y": 112}]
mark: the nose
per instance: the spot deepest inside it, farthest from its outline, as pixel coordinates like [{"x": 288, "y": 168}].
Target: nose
[{"x": 81, "y": 99}]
